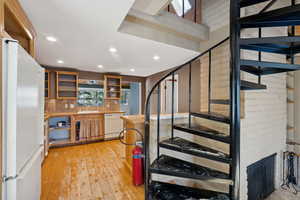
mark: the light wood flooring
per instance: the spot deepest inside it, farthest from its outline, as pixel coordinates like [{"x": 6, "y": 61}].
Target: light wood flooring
[{"x": 88, "y": 172}]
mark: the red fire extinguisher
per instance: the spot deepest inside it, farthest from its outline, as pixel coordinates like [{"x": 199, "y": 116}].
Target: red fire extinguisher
[
  {"x": 137, "y": 166},
  {"x": 137, "y": 157}
]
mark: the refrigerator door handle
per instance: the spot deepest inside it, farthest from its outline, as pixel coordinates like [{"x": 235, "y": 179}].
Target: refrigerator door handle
[{"x": 8, "y": 178}]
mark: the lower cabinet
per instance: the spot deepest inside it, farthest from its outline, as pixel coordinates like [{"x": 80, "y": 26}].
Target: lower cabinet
[
  {"x": 88, "y": 128},
  {"x": 113, "y": 125}
]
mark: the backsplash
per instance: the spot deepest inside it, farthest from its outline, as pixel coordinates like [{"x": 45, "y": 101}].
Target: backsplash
[{"x": 54, "y": 105}]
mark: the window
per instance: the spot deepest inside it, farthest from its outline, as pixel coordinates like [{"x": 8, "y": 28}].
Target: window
[
  {"x": 178, "y": 6},
  {"x": 125, "y": 96},
  {"x": 90, "y": 96}
]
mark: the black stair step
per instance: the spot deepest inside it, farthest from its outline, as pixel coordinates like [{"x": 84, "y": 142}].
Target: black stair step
[
  {"x": 187, "y": 147},
  {"x": 170, "y": 166},
  {"x": 167, "y": 191},
  {"x": 246, "y": 85},
  {"x": 262, "y": 71},
  {"x": 220, "y": 101},
  {"x": 245, "y": 3},
  {"x": 203, "y": 132},
  {"x": 273, "y": 65},
  {"x": 286, "y": 16},
  {"x": 212, "y": 116},
  {"x": 281, "y": 45}
]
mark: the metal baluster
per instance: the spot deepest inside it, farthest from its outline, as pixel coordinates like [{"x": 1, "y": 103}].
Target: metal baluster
[
  {"x": 293, "y": 2},
  {"x": 297, "y": 170},
  {"x": 173, "y": 92},
  {"x": 190, "y": 94},
  {"x": 195, "y": 14},
  {"x": 259, "y": 55},
  {"x": 169, "y": 8},
  {"x": 209, "y": 80},
  {"x": 158, "y": 118},
  {"x": 182, "y": 8}
]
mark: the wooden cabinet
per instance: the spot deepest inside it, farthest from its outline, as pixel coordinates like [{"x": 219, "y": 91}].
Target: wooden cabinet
[
  {"x": 113, "y": 125},
  {"x": 47, "y": 84},
  {"x": 88, "y": 127},
  {"x": 59, "y": 131},
  {"x": 112, "y": 87},
  {"x": 66, "y": 85}
]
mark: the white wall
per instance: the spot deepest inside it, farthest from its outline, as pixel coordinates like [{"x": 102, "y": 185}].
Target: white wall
[{"x": 297, "y": 108}]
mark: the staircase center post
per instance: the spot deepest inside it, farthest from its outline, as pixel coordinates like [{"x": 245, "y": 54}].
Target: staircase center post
[{"x": 235, "y": 80}]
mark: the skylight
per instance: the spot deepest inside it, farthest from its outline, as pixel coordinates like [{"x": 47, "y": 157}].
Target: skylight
[{"x": 178, "y": 6}]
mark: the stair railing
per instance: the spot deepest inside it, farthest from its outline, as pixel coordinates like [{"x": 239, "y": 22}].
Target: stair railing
[{"x": 157, "y": 87}]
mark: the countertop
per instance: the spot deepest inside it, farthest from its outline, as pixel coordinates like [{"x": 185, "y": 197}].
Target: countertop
[
  {"x": 59, "y": 114},
  {"x": 136, "y": 119}
]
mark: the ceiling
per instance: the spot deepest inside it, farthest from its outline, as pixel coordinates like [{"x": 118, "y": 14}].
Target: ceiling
[{"x": 85, "y": 30}]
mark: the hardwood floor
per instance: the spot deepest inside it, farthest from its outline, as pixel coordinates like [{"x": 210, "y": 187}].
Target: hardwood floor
[{"x": 88, "y": 172}]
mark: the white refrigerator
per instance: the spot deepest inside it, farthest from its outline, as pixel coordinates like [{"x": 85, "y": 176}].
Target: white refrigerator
[{"x": 22, "y": 119}]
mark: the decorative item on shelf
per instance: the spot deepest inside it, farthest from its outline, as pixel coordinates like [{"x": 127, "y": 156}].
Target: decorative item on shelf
[
  {"x": 66, "y": 85},
  {"x": 112, "y": 87},
  {"x": 47, "y": 84}
]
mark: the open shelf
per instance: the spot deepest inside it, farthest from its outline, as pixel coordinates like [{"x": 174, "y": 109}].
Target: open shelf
[
  {"x": 112, "y": 87},
  {"x": 60, "y": 128},
  {"x": 66, "y": 85},
  {"x": 47, "y": 84}
]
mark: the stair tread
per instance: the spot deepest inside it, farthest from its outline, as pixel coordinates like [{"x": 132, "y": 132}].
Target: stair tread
[
  {"x": 262, "y": 71},
  {"x": 203, "y": 131},
  {"x": 168, "y": 165},
  {"x": 220, "y": 101},
  {"x": 167, "y": 191},
  {"x": 247, "y": 85},
  {"x": 185, "y": 146},
  {"x": 272, "y": 48},
  {"x": 212, "y": 116},
  {"x": 245, "y": 3},
  {"x": 286, "y": 16},
  {"x": 267, "y": 64}
]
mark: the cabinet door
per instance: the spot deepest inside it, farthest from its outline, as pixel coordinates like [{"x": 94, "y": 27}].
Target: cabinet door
[{"x": 113, "y": 125}]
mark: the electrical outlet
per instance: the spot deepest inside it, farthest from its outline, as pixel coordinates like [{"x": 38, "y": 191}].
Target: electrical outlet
[
  {"x": 66, "y": 106},
  {"x": 72, "y": 106}
]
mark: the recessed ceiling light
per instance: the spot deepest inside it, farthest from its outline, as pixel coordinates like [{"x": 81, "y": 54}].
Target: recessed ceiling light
[
  {"x": 100, "y": 66},
  {"x": 112, "y": 50},
  {"x": 60, "y": 62},
  {"x": 132, "y": 70},
  {"x": 156, "y": 57},
  {"x": 51, "y": 39}
]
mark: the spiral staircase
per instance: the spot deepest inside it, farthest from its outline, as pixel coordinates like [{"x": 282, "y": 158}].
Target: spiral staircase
[{"x": 178, "y": 167}]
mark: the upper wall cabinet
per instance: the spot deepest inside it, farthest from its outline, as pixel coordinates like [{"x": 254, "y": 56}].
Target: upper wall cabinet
[
  {"x": 112, "y": 87},
  {"x": 16, "y": 25},
  {"x": 66, "y": 85},
  {"x": 47, "y": 84}
]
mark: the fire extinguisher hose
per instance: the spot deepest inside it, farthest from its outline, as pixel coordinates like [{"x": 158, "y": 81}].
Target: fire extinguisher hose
[{"x": 124, "y": 131}]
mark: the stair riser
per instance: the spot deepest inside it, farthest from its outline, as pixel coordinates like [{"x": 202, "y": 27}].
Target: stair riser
[
  {"x": 212, "y": 118},
  {"x": 221, "y": 127},
  {"x": 218, "y": 166},
  {"x": 213, "y": 144},
  {"x": 216, "y": 180},
  {"x": 217, "y": 187},
  {"x": 197, "y": 153}
]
